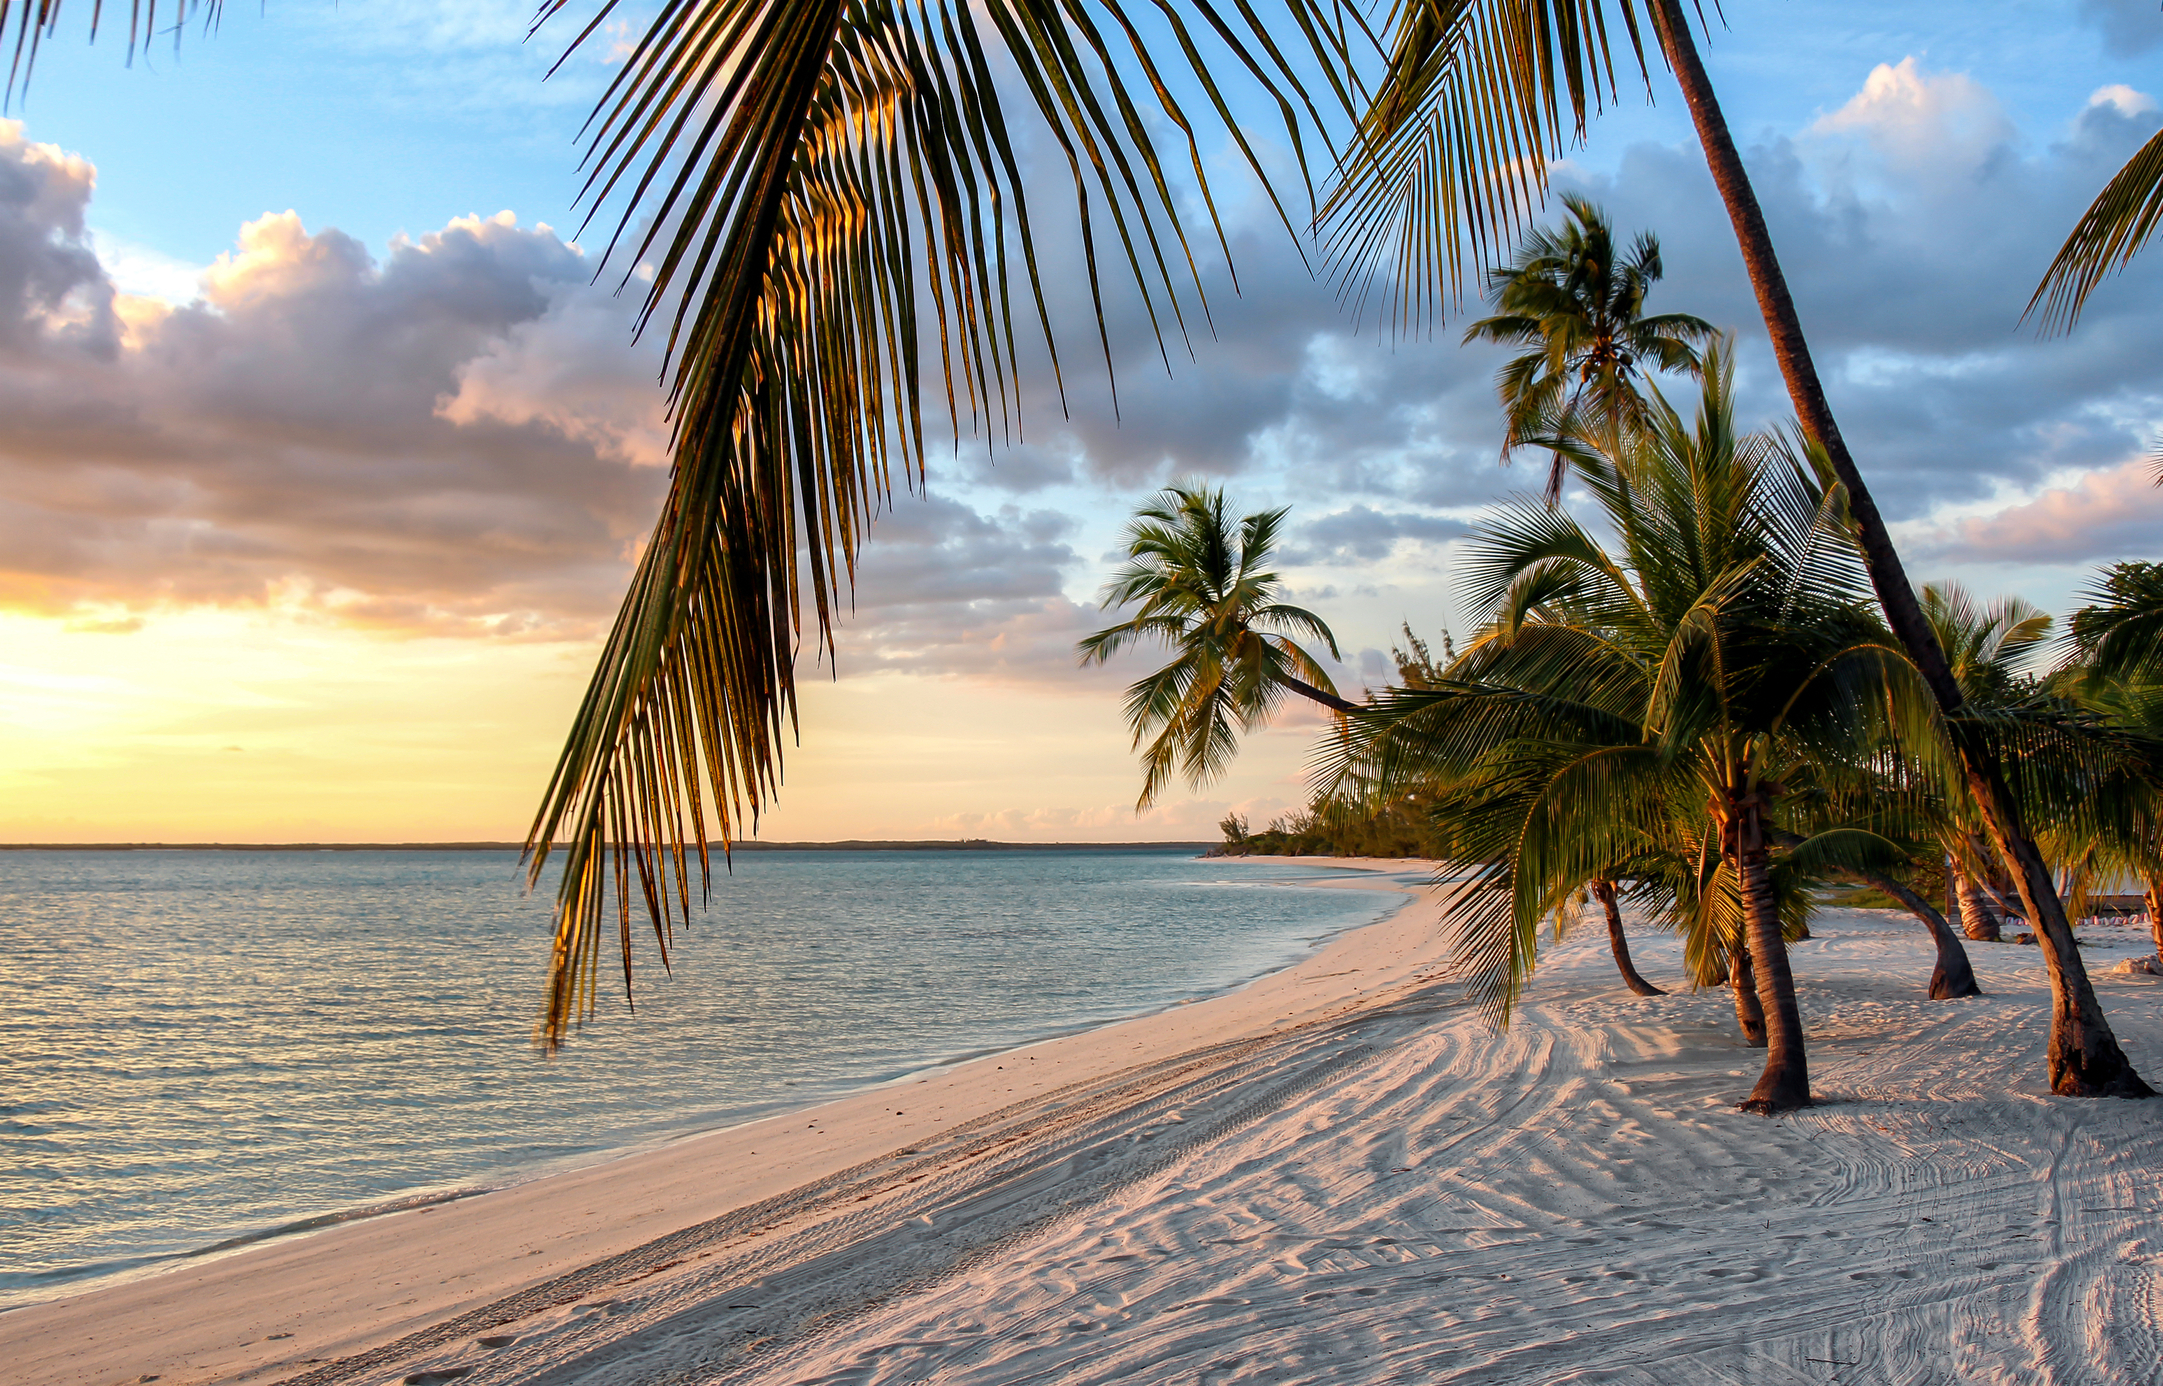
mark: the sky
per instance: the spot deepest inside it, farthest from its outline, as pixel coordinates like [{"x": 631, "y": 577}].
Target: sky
[{"x": 323, "y": 451}]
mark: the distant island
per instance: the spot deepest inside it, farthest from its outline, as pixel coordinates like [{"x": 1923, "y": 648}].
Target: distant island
[{"x": 961, "y": 844}]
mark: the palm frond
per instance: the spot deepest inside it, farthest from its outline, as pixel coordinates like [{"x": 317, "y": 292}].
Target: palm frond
[
  {"x": 832, "y": 201},
  {"x": 2116, "y": 225},
  {"x": 1451, "y": 158}
]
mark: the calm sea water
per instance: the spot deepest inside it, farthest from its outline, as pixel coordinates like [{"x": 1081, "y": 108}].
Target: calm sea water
[{"x": 201, "y": 1046}]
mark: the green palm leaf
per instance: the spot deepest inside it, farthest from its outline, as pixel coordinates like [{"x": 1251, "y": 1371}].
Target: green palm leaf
[
  {"x": 1204, "y": 589},
  {"x": 2116, "y": 225}
]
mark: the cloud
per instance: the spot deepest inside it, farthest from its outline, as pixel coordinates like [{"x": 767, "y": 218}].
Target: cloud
[
  {"x": 1920, "y": 122},
  {"x": 279, "y": 440},
  {"x": 2129, "y": 27},
  {"x": 944, "y": 589},
  {"x": 2117, "y": 513},
  {"x": 53, "y": 294},
  {"x": 1360, "y": 534}
]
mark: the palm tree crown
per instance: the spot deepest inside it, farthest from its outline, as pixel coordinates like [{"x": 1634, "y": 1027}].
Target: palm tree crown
[
  {"x": 1205, "y": 590},
  {"x": 1711, "y": 684},
  {"x": 1577, "y": 308},
  {"x": 2120, "y": 631},
  {"x": 1983, "y": 644}
]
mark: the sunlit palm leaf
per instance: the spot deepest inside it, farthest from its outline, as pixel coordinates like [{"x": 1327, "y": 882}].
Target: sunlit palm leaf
[
  {"x": 1451, "y": 157},
  {"x": 2116, "y": 225},
  {"x": 829, "y": 187}
]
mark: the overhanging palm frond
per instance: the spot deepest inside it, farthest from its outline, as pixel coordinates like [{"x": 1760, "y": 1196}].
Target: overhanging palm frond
[
  {"x": 35, "y": 20},
  {"x": 831, "y": 190},
  {"x": 2116, "y": 225},
  {"x": 1451, "y": 157}
]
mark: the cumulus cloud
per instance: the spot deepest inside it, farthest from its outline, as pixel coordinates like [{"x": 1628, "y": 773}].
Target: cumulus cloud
[
  {"x": 453, "y": 435},
  {"x": 279, "y": 439},
  {"x": 2103, "y": 515},
  {"x": 457, "y": 439}
]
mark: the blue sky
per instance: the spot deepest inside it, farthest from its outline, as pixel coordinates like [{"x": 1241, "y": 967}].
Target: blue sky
[
  {"x": 393, "y": 451},
  {"x": 381, "y": 116}
]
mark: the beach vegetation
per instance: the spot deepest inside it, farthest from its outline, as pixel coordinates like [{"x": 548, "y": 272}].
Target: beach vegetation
[
  {"x": 1700, "y": 703},
  {"x": 1201, "y": 585},
  {"x": 1458, "y": 137},
  {"x": 1573, "y": 304}
]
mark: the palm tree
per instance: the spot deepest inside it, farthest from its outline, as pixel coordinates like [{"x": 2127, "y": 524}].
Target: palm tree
[
  {"x": 1452, "y": 152},
  {"x": 1206, "y": 591},
  {"x": 1577, "y": 308},
  {"x": 1719, "y": 666},
  {"x": 1984, "y": 646},
  {"x": 2116, "y": 672},
  {"x": 2119, "y": 634}
]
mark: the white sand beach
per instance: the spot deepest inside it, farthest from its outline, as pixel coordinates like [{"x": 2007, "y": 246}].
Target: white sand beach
[{"x": 1338, "y": 1173}]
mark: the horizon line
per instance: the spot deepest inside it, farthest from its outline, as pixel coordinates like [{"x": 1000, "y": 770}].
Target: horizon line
[{"x": 961, "y": 844}]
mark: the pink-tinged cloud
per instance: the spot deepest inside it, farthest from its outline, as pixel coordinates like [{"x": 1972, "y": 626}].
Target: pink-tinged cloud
[
  {"x": 2104, "y": 515},
  {"x": 457, "y": 439}
]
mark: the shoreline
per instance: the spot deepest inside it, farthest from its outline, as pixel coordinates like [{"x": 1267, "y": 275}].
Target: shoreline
[
  {"x": 656, "y": 1136},
  {"x": 229, "y": 1267},
  {"x": 1338, "y": 1173}
]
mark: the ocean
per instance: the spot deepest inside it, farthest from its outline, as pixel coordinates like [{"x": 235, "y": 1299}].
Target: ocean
[{"x": 203, "y": 1047}]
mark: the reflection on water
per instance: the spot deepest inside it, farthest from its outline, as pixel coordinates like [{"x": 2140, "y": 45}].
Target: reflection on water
[{"x": 197, "y": 1046}]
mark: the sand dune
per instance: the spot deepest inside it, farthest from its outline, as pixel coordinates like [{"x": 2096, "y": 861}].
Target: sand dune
[{"x": 1338, "y": 1174}]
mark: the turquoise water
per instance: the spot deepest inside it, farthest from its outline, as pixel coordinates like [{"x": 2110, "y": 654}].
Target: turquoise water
[{"x": 201, "y": 1046}]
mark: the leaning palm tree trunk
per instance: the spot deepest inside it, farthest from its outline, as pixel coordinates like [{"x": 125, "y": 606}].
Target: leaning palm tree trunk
[
  {"x": 2084, "y": 1056},
  {"x": 1742, "y": 981},
  {"x": 1953, "y": 976},
  {"x": 1618, "y": 943},
  {"x": 1785, "y": 1083},
  {"x": 1978, "y": 916}
]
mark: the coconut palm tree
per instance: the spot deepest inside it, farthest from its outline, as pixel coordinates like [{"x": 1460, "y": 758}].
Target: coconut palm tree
[
  {"x": 1718, "y": 665},
  {"x": 1985, "y": 647},
  {"x": 2116, "y": 672},
  {"x": 1205, "y": 589},
  {"x": 1575, "y": 304},
  {"x": 1452, "y": 152},
  {"x": 2119, "y": 634}
]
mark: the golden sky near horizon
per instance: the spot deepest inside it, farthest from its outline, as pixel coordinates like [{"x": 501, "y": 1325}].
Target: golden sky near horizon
[
  {"x": 236, "y": 727},
  {"x": 304, "y": 535}
]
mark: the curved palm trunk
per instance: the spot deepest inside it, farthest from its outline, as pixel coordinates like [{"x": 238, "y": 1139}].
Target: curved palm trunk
[
  {"x": 1954, "y": 976},
  {"x": 1742, "y": 980},
  {"x": 1329, "y": 700},
  {"x": 2155, "y": 913},
  {"x": 2084, "y": 1056},
  {"x": 1785, "y": 1083},
  {"x": 1618, "y": 943},
  {"x": 1977, "y": 917}
]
